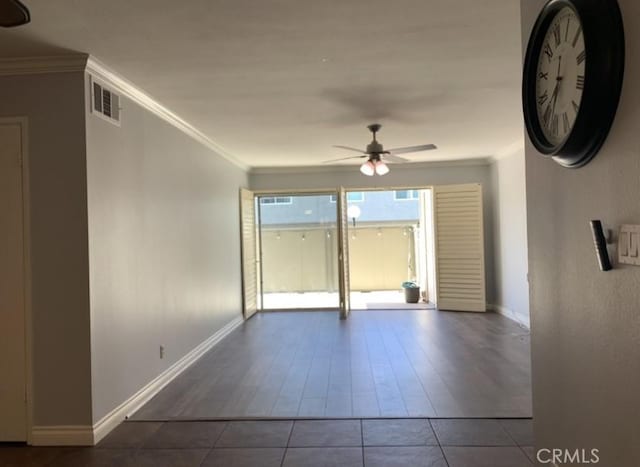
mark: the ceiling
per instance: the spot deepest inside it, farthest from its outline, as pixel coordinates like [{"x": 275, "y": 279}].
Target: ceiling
[{"x": 277, "y": 82}]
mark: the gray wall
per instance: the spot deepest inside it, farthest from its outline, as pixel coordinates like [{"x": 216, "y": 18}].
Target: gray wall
[
  {"x": 54, "y": 105},
  {"x": 510, "y": 236},
  {"x": 163, "y": 246},
  {"x": 405, "y": 176},
  {"x": 585, "y": 323}
]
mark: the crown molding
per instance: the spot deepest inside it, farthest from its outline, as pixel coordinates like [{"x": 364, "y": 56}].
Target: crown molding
[
  {"x": 128, "y": 89},
  {"x": 84, "y": 62},
  {"x": 39, "y": 65},
  {"x": 515, "y": 147},
  {"x": 475, "y": 162}
]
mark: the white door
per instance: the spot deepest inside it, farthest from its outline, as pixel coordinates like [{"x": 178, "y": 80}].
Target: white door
[
  {"x": 343, "y": 255},
  {"x": 249, "y": 253},
  {"x": 459, "y": 247},
  {"x": 13, "y": 406}
]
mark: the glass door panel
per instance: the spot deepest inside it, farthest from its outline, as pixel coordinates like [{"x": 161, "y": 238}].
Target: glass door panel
[
  {"x": 298, "y": 234},
  {"x": 385, "y": 248}
]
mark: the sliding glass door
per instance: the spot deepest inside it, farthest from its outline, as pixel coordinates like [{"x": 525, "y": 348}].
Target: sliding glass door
[{"x": 299, "y": 251}]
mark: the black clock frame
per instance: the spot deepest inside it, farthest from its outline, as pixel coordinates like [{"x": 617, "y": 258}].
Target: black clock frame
[{"x": 603, "y": 33}]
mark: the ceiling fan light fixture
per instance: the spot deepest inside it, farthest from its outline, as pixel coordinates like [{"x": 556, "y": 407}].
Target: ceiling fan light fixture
[
  {"x": 381, "y": 168},
  {"x": 375, "y": 154},
  {"x": 368, "y": 169}
]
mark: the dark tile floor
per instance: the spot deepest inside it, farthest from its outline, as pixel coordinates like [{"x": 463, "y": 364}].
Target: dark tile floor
[
  {"x": 381, "y": 363},
  {"x": 297, "y": 443}
]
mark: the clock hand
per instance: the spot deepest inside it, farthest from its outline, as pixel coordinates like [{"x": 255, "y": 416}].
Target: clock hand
[
  {"x": 557, "y": 88},
  {"x": 554, "y": 98}
]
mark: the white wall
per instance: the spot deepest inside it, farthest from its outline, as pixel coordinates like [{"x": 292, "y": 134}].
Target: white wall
[
  {"x": 408, "y": 175},
  {"x": 510, "y": 236},
  {"x": 54, "y": 106},
  {"x": 163, "y": 247},
  {"x": 586, "y": 323}
]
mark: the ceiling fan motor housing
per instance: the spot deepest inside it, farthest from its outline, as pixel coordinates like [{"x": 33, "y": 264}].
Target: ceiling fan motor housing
[
  {"x": 375, "y": 151},
  {"x": 374, "y": 148}
]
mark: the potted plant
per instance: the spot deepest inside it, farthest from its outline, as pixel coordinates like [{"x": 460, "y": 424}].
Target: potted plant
[{"x": 411, "y": 292}]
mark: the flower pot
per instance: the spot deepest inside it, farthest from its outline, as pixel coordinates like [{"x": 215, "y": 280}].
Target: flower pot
[{"x": 412, "y": 294}]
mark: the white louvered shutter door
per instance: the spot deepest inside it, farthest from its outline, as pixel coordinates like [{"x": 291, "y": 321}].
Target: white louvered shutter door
[
  {"x": 459, "y": 247},
  {"x": 249, "y": 253}
]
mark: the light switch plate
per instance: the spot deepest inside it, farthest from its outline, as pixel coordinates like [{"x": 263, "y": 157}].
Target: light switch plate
[{"x": 629, "y": 244}]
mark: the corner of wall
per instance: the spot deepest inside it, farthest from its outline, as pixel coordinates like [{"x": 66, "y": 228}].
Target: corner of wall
[{"x": 48, "y": 92}]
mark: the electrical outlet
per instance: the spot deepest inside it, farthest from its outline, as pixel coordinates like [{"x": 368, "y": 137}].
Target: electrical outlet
[{"x": 162, "y": 351}]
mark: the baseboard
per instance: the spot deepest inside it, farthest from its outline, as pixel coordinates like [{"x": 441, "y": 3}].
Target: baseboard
[
  {"x": 512, "y": 315},
  {"x": 66, "y": 435},
  {"x": 128, "y": 407}
]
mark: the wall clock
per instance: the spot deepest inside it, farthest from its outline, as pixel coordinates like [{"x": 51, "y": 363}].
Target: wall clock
[{"x": 572, "y": 78}]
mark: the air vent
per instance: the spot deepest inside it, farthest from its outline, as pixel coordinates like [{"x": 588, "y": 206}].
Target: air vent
[{"x": 105, "y": 103}]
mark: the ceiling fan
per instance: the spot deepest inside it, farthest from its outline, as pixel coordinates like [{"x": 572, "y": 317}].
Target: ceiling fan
[{"x": 377, "y": 156}]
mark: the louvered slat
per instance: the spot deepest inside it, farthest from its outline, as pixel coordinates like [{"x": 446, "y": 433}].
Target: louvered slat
[
  {"x": 249, "y": 254},
  {"x": 459, "y": 247}
]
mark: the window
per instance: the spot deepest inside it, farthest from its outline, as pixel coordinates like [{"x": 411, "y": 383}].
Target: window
[
  {"x": 405, "y": 195},
  {"x": 352, "y": 197},
  {"x": 270, "y": 200}
]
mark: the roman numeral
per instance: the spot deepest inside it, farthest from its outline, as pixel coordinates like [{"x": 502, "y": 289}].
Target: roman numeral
[
  {"x": 543, "y": 98},
  {"x": 566, "y": 33},
  {"x": 554, "y": 125},
  {"x": 542, "y": 75},
  {"x": 576, "y": 107},
  {"x": 548, "y": 52},
  {"x": 546, "y": 116},
  {"x": 580, "y": 57},
  {"x": 565, "y": 122},
  {"x": 556, "y": 34},
  {"x": 580, "y": 82},
  {"x": 576, "y": 37}
]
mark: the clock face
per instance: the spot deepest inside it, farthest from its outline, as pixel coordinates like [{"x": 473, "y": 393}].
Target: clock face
[
  {"x": 560, "y": 76},
  {"x": 572, "y": 78}
]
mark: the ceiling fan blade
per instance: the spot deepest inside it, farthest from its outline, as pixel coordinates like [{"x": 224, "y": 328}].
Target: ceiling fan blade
[
  {"x": 344, "y": 159},
  {"x": 350, "y": 149},
  {"x": 424, "y": 147},
  {"x": 392, "y": 158}
]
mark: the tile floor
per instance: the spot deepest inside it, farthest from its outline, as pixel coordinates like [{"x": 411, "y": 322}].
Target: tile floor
[
  {"x": 378, "y": 363},
  {"x": 297, "y": 443}
]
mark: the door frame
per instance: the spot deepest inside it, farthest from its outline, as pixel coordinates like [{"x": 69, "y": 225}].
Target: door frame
[
  {"x": 298, "y": 192},
  {"x": 405, "y": 188},
  {"x": 344, "y": 268},
  {"x": 322, "y": 191},
  {"x": 23, "y": 122}
]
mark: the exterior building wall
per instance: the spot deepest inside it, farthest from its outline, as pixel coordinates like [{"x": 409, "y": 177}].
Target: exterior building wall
[
  {"x": 375, "y": 206},
  {"x": 305, "y": 260}
]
